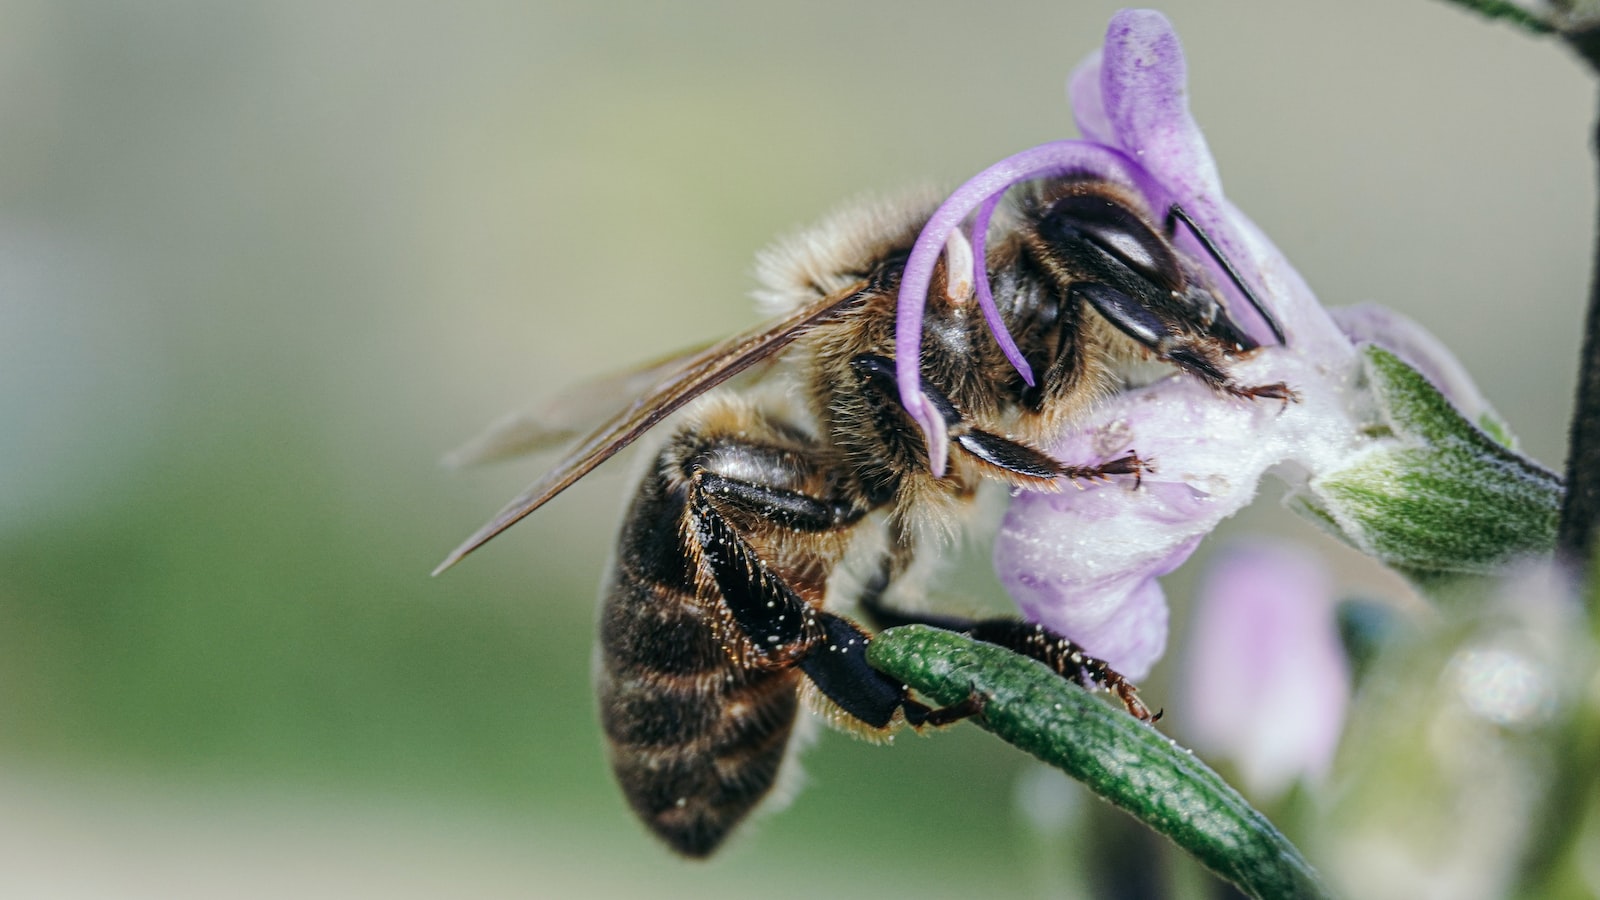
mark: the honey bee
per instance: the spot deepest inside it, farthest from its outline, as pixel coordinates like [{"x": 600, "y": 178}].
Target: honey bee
[{"x": 719, "y": 614}]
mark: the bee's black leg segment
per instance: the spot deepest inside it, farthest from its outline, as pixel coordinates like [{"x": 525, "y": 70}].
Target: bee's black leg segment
[
  {"x": 791, "y": 509},
  {"x": 1132, "y": 317},
  {"x": 773, "y": 623},
  {"x": 765, "y": 617},
  {"x": 1018, "y": 459},
  {"x": 1024, "y": 463},
  {"x": 1198, "y": 365},
  {"x": 1138, "y": 321},
  {"x": 777, "y": 627},
  {"x": 1014, "y": 461},
  {"x": 838, "y": 667},
  {"x": 1064, "y": 657},
  {"x": 1176, "y": 214}
]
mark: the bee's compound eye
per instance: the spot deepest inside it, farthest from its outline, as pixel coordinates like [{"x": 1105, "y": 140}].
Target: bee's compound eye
[{"x": 1118, "y": 231}]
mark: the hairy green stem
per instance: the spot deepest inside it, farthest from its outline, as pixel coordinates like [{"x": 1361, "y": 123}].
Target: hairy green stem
[{"x": 1118, "y": 757}]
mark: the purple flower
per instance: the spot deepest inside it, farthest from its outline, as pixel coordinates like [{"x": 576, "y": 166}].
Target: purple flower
[
  {"x": 1085, "y": 562},
  {"x": 1266, "y": 681}
]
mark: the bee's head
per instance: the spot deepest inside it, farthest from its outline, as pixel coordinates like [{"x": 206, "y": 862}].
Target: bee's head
[{"x": 1099, "y": 244}]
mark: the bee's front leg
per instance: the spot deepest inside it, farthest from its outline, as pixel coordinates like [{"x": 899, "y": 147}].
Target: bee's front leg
[
  {"x": 1005, "y": 459},
  {"x": 1199, "y": 354}
]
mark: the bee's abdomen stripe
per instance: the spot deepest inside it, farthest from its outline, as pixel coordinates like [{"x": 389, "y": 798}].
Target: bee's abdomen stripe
[
  {"x": 649, "y": 629},
  {"x": 693, "y": 767}
]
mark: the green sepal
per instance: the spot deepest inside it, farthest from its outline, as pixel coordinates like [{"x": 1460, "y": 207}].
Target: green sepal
[
  {"x": 1125, "y": 761},
  {"x": 1439, "y": 494}
]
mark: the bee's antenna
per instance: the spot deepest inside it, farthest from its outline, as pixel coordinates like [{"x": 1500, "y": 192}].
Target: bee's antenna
[{"x": 1176, "y": 214}]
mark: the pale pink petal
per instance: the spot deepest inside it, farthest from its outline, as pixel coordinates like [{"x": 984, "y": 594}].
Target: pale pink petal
[
  {"x": 1059, "y": 554},
  {"x": 1267, "y": 682}
]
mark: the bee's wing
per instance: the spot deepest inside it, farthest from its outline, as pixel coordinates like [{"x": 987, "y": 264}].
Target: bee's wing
[
  {"x": 697, "y": 374},
  {"x": 568, "y": 415}
]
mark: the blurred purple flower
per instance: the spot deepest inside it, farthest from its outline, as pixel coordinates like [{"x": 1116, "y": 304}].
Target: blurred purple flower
[
  {"x": 1085, "y": 562},
  {"x": 1266, "y": 681}
]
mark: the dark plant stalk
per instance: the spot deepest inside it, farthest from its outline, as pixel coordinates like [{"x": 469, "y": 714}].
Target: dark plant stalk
[
  {"x": 1580, "y": 512},
  {"x": 1555, "y": 843},
  {"x": 1578, "y": 23}
]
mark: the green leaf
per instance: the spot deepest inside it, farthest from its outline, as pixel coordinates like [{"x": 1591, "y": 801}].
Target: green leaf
[
  {"x": 1443, "y": 496},
  {"x": 1118, "y": 757}
]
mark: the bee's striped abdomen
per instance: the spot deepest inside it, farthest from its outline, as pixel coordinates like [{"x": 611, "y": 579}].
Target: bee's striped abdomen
[{"x": 696, "y": 742}]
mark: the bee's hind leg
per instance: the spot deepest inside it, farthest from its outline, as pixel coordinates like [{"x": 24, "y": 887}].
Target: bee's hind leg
[{"x": 767, "y": 623}]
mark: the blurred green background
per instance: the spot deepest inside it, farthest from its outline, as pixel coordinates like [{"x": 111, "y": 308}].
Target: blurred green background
[{"x": 262, "y": 263}]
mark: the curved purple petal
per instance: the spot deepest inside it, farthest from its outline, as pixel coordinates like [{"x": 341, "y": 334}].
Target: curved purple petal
[
  {"x": 980, "y": 281},
  {"x": 1055, "y": 158}
]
